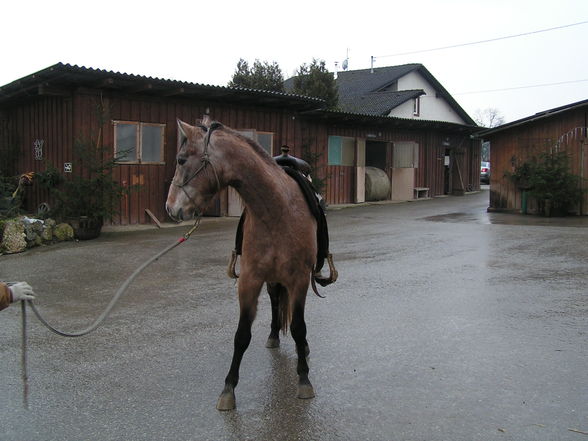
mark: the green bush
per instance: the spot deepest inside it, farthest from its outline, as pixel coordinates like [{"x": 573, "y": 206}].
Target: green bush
[
  {"x": 549, "y": 181},
  {"x": 92, "y": 192}
]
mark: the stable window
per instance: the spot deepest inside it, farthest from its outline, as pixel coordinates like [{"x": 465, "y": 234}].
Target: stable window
[
  {"x": 264, "y": 139},
  {"x": 341, "y": 150},
  {"x": 406, "y": 155},
  {"x": 137, "y": 142}
]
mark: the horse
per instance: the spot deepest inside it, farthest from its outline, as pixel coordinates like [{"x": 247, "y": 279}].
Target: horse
[{"x": 279, "y": 243}]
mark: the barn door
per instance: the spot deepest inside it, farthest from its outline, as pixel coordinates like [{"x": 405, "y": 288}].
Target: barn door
[{"x": 405, "y": 162}]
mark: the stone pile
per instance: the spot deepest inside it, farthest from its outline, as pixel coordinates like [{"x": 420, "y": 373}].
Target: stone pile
[{"x": 21, "y": 233}]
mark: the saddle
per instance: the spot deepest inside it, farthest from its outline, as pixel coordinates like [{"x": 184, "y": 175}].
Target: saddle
[{"x": 299, "y": 170}]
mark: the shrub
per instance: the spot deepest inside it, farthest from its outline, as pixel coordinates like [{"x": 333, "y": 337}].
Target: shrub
[{"x": 549, "y": 181}]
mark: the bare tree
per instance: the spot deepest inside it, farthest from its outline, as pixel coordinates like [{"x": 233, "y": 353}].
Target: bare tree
[{"x": 488, "y": 117}]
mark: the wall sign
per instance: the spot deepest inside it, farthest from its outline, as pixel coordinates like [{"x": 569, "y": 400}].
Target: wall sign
[
  {"x": 38, "y": 149},
  {"x": 67, "y": 168}
]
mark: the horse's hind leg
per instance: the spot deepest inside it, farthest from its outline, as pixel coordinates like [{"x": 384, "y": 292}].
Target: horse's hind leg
[
  {"x": 274, "y": 290},
  {"x": 248, "y": 305},
  {"x": 298, "y": 330}
]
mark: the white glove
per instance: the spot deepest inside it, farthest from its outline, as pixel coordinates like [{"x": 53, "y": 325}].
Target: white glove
[{"x": 22, "y": 291}]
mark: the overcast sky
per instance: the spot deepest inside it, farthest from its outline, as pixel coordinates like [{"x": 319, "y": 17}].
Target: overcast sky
[{"x": 201, "y": 42}]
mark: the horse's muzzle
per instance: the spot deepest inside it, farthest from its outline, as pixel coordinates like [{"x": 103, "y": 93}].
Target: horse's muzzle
[{"x": 177, "y": 216}]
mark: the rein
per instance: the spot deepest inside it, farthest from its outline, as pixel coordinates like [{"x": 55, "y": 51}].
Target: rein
[{"x": 123, "y": 288}]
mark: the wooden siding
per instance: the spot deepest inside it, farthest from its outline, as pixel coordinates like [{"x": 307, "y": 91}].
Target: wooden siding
[
  {"x": 60, "y": 120},
  {"x": 50, "y": 120},
  {"x": 518, "y": 144},
  {"x": 340, "y": 184},
  {"x": 431, "y": 170}
]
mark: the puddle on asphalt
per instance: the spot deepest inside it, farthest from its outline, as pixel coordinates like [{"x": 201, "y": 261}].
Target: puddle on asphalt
[{"x": 486, "y": 218}]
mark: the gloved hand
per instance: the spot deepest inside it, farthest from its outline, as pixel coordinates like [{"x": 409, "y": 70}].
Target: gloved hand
[{"x": 22, "y": 291}]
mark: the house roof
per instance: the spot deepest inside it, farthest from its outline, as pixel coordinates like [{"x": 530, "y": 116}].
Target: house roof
[
  {"x": 61, "y": 78},
  {"x": 532, "y": 118},
  {"x": 363, "y": 85},
  {"x": 361, "y": 82},
  {"x": 378, "y": 103}
]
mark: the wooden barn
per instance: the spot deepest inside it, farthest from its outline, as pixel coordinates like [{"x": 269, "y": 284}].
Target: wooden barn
[
  {"x": 43, "y": 114},
  {"x": 560, "y": 129},
  {"x": 421, "y": 158}
]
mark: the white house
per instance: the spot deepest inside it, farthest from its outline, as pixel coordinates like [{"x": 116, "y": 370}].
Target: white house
[{"x": 406, "y": 91}]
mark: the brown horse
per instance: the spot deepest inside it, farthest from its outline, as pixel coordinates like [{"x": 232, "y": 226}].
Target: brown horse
[{"x": 279, "y": 233}]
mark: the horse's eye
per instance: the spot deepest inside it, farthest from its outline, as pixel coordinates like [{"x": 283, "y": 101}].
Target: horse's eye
[{"x": 181, "y": 159}]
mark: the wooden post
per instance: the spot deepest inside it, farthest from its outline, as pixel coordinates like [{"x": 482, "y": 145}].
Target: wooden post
[{"x": 152, "y": 216}]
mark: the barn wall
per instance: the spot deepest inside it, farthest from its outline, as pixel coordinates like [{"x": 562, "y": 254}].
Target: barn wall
[
  {"x": 47, "y": 120},
  {"x": 155, "y": 179},
  {"x": 60, "y": 120},
  {"x": 518, "y": 144},
  {"x": 341, "y": 180}
]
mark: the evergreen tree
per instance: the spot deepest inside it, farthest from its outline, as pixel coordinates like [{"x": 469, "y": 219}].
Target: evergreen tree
[
  {"x": 316, "y": 81},
  {"x": 262, "y": 75}
]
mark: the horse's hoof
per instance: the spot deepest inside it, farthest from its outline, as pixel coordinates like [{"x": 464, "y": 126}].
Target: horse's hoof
[
  {"x": 272, "y": 342},
  {"x": 305, "y": 391},
  {"x": 226, "y": 401}
]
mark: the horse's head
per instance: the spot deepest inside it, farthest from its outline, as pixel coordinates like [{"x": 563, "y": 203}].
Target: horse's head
[{"x": 196, "y": 179}]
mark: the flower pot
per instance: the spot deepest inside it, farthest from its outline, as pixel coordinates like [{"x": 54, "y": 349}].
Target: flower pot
[{"x": 86, "y": 228}]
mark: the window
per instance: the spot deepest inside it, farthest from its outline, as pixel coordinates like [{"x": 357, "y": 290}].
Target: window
[
  {"x": 265, "y": 139},
  {"x": 341, "y": 150},
  {"x": 416, "y": 106},
  {"x": 406, "y": 155},
  {"x": 138, "y": 142}
]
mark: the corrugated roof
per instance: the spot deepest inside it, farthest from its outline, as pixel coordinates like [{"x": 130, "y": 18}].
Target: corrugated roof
[
  {"x": 535, "y": 117},
  {"x": 367, "y": 119},
  {"x": 66, "y": 76}
]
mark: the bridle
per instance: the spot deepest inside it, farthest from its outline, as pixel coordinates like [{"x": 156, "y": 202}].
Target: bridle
[{"x": 204, "y": 162}]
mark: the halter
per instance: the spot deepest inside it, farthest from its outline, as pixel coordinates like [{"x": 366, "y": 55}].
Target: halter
[{"x": 205, "y": 162}]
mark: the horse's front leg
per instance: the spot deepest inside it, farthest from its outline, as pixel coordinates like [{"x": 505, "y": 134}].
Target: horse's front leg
[
  {"x": 248, "y": 295},
  {"x": 298, "y": 330}
]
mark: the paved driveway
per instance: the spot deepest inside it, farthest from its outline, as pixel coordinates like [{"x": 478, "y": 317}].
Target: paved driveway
[{"x": 447, "y": 323}]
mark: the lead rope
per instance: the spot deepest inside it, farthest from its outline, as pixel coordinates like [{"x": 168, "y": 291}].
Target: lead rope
[
  {"x": 97, "y": 322},
  {"x": 23, "y": 357}
]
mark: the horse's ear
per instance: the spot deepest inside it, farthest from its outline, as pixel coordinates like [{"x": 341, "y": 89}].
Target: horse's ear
[
  {"x": 182, "y": 132},
  {"x": 182, "y": 128},
  {"x": 206, "y": 120}
]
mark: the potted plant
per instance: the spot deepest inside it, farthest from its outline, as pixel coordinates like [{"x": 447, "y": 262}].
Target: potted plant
[{"x": 89, "y": 197}]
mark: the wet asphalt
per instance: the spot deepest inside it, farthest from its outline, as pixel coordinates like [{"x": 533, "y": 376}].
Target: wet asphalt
[{"x": 446, "y": 323}]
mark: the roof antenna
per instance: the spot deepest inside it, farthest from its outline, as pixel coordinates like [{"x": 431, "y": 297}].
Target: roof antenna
[
  {"x": 345, "y": 64},
  {"x": 372, "y": 63}
]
